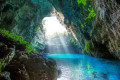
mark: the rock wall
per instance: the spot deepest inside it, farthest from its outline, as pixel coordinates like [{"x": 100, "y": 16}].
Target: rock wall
[
  {"x": 95, "y": 24},
  {"x": 24, "y": 17},
  {"x": 107, "y": 25},
  {"x": 16, "y": 64}
]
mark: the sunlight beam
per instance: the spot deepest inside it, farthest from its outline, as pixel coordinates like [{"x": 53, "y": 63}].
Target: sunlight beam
[{"x": 52, "y": 26}]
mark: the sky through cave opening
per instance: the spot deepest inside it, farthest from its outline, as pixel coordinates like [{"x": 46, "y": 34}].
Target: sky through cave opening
[{"x": 53, "y": 27}]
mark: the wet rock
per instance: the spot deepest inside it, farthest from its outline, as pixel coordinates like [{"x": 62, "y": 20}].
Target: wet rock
[
  {"x": 59, "y": 73},
  {"x": 6, "y": 55},
  {"x": 26, "y": 66},
  {"x": 3, "y": 47},
  {"x": 5, "y": 76},
  {"x": 99, "y": 75}
]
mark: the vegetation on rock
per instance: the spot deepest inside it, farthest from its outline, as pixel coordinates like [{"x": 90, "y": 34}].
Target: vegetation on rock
[
  {"x": 91, "y": 14},
  {"x": 19, "y": 64},
  {"x": 82, "y": 1},
  {"x": 87, "y": 45},
  {"x": 6, "y": 33}
]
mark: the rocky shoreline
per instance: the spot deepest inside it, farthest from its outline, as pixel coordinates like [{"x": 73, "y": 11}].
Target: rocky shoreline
[{"x": 17, "y": 64}]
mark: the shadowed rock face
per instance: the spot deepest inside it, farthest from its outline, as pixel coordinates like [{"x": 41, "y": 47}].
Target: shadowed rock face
[
  {"x": 31, "y": 67},
  {"x": 101, "y": 32},
  {"x": 16, "y": 64},
  {"x": 23, "y": 17},
  {"x": 108, "y": 23},
  {"x": 6, "y": 55}
]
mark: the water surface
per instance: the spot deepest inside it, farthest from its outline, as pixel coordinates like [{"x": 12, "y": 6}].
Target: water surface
[{"x": 83, "y": 67}]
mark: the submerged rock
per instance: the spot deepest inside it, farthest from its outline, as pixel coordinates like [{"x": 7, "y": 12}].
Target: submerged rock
[{"x": 59, "y": 73}]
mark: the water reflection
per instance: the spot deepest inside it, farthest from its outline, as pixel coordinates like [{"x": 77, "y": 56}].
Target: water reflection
[{"x": 83, "y": 67}]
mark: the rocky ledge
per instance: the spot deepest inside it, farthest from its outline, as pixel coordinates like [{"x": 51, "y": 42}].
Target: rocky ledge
[{"x": 17, "y": 64}]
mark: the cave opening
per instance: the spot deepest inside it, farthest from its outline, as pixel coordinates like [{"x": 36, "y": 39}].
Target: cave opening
[
  {"x": 53, "y": 27},
  {"x": 56, "y": 35}
]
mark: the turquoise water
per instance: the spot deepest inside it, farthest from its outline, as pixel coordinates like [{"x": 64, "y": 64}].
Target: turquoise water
[{"x": 83, "y": 67}]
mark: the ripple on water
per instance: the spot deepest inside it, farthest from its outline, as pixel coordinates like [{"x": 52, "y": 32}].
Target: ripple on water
[{"x": 86, "y": 68}]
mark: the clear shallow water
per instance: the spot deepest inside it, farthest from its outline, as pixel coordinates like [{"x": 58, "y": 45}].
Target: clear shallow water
[{"x": 83, "y": 67}]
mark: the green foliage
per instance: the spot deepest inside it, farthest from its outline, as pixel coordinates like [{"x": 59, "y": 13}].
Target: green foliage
[
  {"x": 73, "y": 41},
  {"x": 83, "y": 25},
  {"x": 37, "y": 28},
  {"x": 81, "y": 1},
  {"x": 29, "y": 48},
  {"x": 6, "y": 33},
  {"x": 87, "y": 45},
  {"x": 91, "y": 14},
  {"x": 91, "y": 11}
]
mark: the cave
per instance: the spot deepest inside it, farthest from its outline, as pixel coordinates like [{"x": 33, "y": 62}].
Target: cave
[{"x": 59, "y": 40}]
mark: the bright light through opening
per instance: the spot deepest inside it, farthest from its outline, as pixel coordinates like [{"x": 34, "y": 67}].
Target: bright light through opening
[{"x": 53, "y": 26}]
